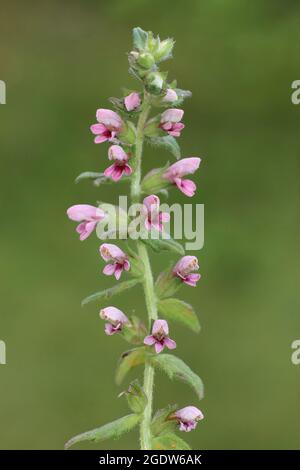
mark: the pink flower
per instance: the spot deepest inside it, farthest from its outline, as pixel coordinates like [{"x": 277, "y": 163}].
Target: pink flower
[
  {"x": 178, "y": 170},
  {"x": 120, "y": 261},
  {"x": 154, "y": 218},
  {"x": 170, "y": 121},
  {"x": 184, "y": 270},
  {"x": 88, "y": 215},
  {"x": 120, "y": 165},
  {"x": 116, "y": 320},
  {"x": 188, "y": 418},
  {"x": 170, "y": 96},
  {"x": 110, "y": 124},
  {"x": 160, "y": 337},
  {"x": 132, "y": 101}
]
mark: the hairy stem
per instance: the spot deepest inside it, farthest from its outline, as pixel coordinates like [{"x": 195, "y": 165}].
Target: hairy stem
[{"x": 145, "y": 433}]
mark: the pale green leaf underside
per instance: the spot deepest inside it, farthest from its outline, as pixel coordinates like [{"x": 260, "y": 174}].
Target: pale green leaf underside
[
  {"x": 168, "y": 143},
  {"x": 129, "y": 360},
  {"x": 175, "y": 368},
  {"x": 180, "y": 311},
  {"x": 111, "y": 291},
  {"x": 160, "y": 244},
  {"x": 111, "y": 430}
]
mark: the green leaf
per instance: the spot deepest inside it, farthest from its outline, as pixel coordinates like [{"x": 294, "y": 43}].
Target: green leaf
[
  {"x": 111, "y": 291},
  {"x": 175, "y": 368},
  {"x": 178, "y": 310},
  {"x": 169, "y": 442},
  {"x": 130, "y": 359},
  {"x": 111, "y": 430},
  {"x": 154, "y": 181},
  {"x": 92, "y": 175},
  {"x": 167, "y": 284},
  {"x": 160, "y": 423},
  {"x": 136, "y": 397},
  {"x": 158, "y": 244},
  {"x": 139, "y": 37},
  {"x": 167, "y": 142}
]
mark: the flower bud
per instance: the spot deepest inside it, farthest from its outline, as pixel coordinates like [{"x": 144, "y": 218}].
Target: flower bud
[
  {"x": 146, "y": 60},
  {"x": 118, "y": 260},
  {"x": 132, "y": 101},
  {"x": 184, "y": 270},
  {"x": 188, "y": 417},
  {"x": 154, "y": 83},
  {"x": 170, "y": 96},
  {"x": 116, "y": 320},
  {"x": 136, "y": 397},
  {"x": 164, "y": 50}
]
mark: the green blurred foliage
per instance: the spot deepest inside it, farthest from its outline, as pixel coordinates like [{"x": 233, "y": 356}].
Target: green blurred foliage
[{"x": 61, "y": 60}]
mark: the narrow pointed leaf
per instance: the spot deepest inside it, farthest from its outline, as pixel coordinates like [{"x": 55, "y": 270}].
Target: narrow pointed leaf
[
  {"x": 111, "y": 291},
  {"x": 92, "y": 175},
  {"x": 168, "y": 143},
  {"x": 111, "y": 430},
  {"x": 128, "y": 361},
  {"x": 175, "y": 368},
  {"x": 169, "y": 442},
  {"x": 178, "y": 310}
]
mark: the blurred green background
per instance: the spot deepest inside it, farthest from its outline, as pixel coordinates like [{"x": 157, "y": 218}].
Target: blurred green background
[{"x": 61, "y": 60}]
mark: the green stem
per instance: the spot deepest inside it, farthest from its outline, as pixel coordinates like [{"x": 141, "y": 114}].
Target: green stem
[{"x": 145, "y": 433}]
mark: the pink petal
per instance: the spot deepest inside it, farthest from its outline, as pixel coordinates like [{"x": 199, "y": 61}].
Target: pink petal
[
  {"x": 170, "y": 96},
  {"x": 113, "y": 315},
  {"x": 109, "y": 171},
  {"x": 108, "y": 251},
  {"x": 159, "y": 347},
  {"x": 115, "y": 152},
  {"x": 149, "y": 340},
  {"x": 117, "y": 173},
  {"x": 97, "y": 129},
  {"x": 109, "y": 329},
  {"x": 81, "y": 212},
  {"x": 127, "y": 170},
  {"x": 109, "y": 269},
  {"x": 118, "y": 271},
  {"x": 109, "y": 118},
  {"x": 126, "y": 265},
  {"x": 100, "y": 139},
  {"x": 187, "y": 187},
  {"x": 170, "y": 343},
  {"x": 192, "y": 279},
  {"x": 160, "y": 326},
  {"x": 132, "y": 101},
  {"x": 172, "y": 115}
]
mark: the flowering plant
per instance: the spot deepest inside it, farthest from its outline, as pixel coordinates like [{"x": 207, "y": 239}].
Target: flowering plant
[{"x": 126, "y": 129}]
